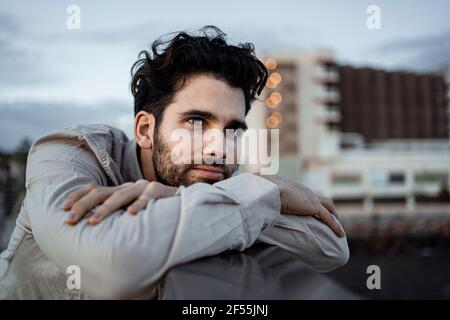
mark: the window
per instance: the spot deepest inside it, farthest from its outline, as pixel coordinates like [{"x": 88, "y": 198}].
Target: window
[
  {"x": 431, "y": 177},
  {"x": 397, "y": 178},
  {"x": 346, "y": 179}
]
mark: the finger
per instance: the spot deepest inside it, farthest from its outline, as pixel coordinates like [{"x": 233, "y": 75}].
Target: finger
[
  {"x": 328, "y": 203},
  {"x": 73, "y": 197},
  {"x": 76, "y": 195},
  {"x": 141, "y": 202},
  {"x": 329, "y": 220},
  {"x": 94, "y": 197},
  {"x": 86, "y": 203},
  {"x": 116, "y": 201},
  {"x": 137, "y": 206}
]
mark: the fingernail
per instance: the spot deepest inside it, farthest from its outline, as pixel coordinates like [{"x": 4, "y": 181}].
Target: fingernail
[
  {"x": 72, "y": 216},
  {"x": 66, "y": 204}
]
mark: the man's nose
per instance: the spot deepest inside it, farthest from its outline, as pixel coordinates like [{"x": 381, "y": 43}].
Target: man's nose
[{"x": 214, "y": 145}]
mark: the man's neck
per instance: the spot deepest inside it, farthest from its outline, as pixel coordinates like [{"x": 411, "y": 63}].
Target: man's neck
[{"x": 146, "y": 163}]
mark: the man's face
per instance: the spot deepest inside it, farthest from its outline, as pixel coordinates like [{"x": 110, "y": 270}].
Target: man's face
[{"x": 204, "y": 109}]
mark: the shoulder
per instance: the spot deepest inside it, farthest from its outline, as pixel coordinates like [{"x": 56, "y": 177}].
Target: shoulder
[
  {"x": 101, "y": 134},
  {"x": 80, "y": 145}
]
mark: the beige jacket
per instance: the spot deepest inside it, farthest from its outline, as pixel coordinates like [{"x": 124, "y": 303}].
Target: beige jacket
[{"x": 126, "y": 256}]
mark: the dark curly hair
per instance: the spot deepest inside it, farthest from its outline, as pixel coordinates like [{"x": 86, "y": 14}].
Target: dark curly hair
[{"x": 159, "y": 74}]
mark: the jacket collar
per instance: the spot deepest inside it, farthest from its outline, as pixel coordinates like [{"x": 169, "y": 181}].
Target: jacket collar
[{"x": 131, "y": 170}]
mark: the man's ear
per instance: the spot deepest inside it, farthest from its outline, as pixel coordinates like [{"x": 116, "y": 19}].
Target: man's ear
[{"x": 144, "y": 128}]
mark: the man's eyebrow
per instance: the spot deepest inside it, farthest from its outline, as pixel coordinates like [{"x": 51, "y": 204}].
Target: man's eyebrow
[
  {"x": 198, "y": 113},
  {"x": 233, "y": 124}
]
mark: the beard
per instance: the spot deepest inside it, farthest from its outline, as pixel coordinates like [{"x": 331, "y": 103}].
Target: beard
[{"x": 175, "y": 175}]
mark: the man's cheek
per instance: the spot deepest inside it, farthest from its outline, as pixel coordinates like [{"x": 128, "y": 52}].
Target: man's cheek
[{"x": 181, "y": 147}]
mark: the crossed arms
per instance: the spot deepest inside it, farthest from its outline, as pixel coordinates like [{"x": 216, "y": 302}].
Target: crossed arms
[{"x": 125, "y": 255}]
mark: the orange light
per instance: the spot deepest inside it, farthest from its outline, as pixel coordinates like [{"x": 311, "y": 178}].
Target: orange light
[
  {"x": 277, "y": 115},
  {"x": 270, "y": 84},
  {"x": 271, "y": 63},
  {"x": 272, "y": 121},
  {"x": 275, "y": 77},
  {"x": 275, "y": 98},
  {"x": 270, "y": 104}
]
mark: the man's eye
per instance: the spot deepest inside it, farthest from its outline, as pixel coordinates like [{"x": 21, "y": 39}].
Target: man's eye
[{"x": 196, "y": 122}]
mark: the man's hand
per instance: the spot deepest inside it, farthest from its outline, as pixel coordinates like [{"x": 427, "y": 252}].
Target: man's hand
[
  {"x": 84, "y": 202},
  {"x": 297, "y": 199}
]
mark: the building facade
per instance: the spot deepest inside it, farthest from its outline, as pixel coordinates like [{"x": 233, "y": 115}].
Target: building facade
[{"x": 364, "y": 137}]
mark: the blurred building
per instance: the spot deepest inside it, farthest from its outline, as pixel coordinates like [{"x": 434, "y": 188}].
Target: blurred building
[
  {"x": 382, "y": 105},
  {"x": 367, "y": 138}
]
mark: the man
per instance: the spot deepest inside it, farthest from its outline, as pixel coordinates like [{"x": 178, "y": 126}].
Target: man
[{"x": 123, "y": 212}]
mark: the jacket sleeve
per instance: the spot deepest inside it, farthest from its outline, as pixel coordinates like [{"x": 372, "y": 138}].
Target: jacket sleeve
[
  {"x": 305, "y": 236},
  {"x": 124, "y": 256},
  {"x": 310, "y": 240}
]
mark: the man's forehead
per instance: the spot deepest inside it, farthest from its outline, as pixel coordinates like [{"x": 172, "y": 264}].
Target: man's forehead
[{"x": 209, "y": 94}]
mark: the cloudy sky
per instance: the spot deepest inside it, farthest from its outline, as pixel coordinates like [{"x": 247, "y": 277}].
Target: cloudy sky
[{"x": 52, "y": 77}]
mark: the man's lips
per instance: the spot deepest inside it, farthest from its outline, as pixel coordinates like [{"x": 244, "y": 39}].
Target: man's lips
[{"x": 209, "y": 172}]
